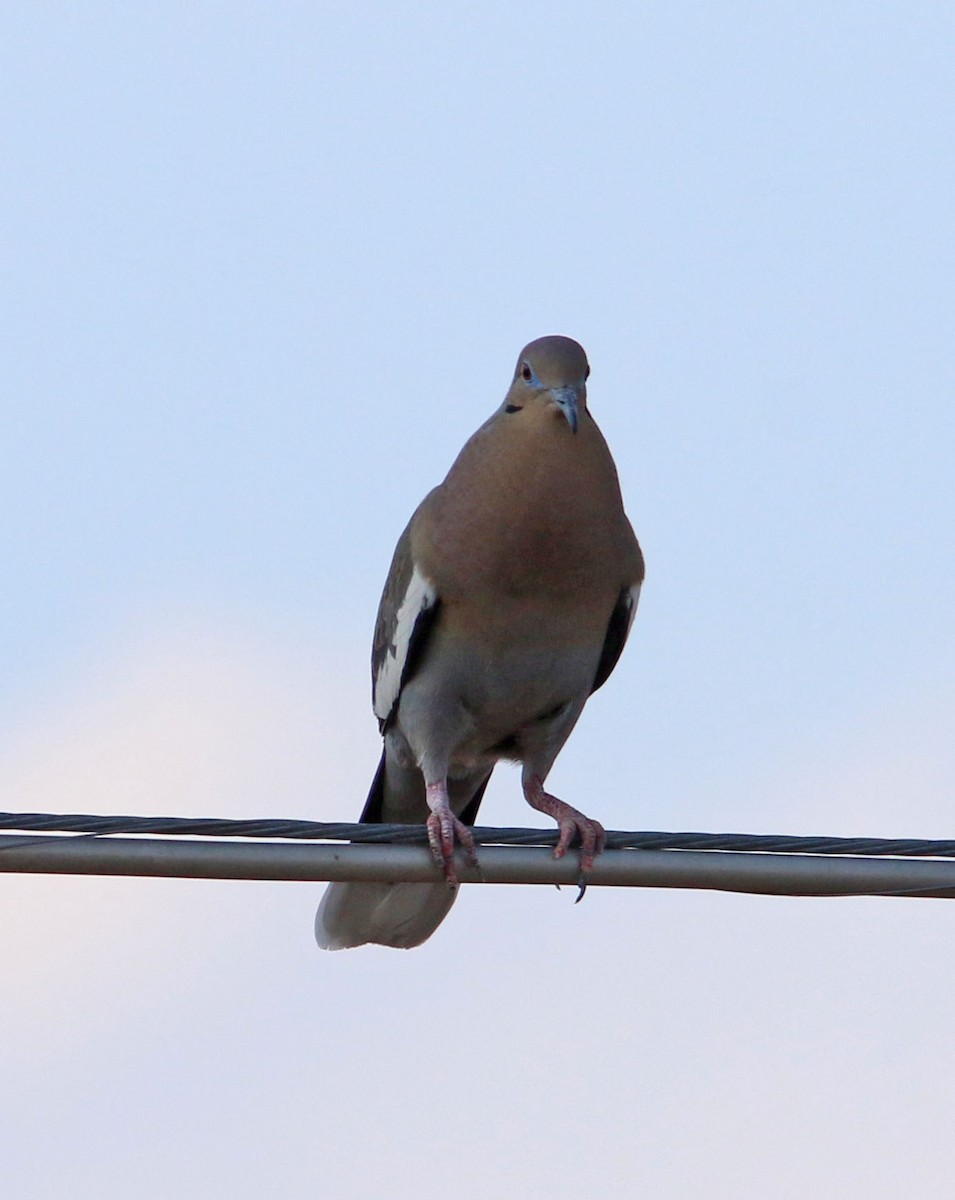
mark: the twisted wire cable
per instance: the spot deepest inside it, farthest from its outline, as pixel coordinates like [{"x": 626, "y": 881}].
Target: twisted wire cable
[{"x": 272, "y": 828}]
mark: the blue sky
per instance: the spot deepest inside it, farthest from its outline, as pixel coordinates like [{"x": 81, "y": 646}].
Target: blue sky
[{"x": 265, "y": 268}]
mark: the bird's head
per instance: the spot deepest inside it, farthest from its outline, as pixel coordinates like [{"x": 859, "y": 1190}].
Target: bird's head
[{"x": 551, "y": 374}]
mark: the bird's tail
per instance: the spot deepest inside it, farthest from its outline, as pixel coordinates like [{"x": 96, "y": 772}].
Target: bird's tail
[
  {"x": 392, "y": 914},
  {"x": 388, "y": 914}
]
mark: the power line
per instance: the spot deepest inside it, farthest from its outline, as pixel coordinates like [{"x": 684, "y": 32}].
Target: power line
[
  {"x": 91, "y": 847},
  {"x": 272, "y": 827}
]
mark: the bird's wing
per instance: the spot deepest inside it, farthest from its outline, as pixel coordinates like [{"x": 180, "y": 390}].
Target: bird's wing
[
  {"x": 406, "y": 615},
  {"x": 618, "y": 630}
]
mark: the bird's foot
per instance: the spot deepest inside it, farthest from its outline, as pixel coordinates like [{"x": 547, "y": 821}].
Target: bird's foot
[
  {"x": 572, "y": 824},
  {"x": 444, "y": 829}
]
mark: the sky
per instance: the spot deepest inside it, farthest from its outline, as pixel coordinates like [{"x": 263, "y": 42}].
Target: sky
[{"x": 264, "y": 269}]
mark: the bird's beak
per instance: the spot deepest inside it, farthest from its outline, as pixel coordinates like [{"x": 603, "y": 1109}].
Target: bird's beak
[{"x": 568, "y": 401}]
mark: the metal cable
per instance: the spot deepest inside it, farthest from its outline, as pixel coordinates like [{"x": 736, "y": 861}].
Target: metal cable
[{"x": 217, "y": 827}]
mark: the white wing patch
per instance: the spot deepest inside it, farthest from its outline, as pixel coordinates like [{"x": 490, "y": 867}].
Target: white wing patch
[
  {"x": 634, "y": 601},
  {"x": 419, "y": 597}
]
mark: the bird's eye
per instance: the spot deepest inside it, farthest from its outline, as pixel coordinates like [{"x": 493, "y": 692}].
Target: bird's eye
[
  {"x": 526, "y": 373},
  {"x": 587, "y": 374}
]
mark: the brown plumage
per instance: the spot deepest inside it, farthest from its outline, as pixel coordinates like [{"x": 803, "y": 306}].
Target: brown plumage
[{"x": 508, "y": 602}]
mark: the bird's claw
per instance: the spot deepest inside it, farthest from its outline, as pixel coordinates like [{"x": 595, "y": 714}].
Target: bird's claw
[
  {"x": 444, "y": 829},
  {"x": 572, "y": 824},
  {"x": 591, "y": 833}
]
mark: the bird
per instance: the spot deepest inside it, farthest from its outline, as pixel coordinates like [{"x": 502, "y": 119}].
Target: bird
[{"x": 510, "y": 598}]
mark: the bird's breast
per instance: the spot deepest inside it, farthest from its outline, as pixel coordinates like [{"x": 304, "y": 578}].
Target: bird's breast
[{"x": 535, "y": 517}]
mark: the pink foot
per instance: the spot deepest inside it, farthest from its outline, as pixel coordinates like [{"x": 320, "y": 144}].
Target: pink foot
[
  {"x": 572, "y": 824},
  {"x": 443, "y": 828}
]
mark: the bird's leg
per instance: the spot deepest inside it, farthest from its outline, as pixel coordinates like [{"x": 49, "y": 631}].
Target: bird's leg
[
  {"x": 571, "y": 822},
  {"x": 443, "y": 826}
]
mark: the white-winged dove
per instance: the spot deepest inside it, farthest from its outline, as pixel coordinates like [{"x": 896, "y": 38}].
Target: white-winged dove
[{"x": 509, "y": 600}]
